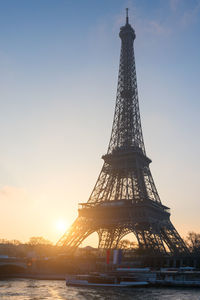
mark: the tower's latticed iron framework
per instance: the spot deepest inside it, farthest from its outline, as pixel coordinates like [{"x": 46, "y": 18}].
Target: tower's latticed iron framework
[{"x": 125, "y": 198}]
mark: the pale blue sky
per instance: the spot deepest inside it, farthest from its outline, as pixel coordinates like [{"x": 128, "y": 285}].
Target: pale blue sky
[{"x": 58, "y": 76}]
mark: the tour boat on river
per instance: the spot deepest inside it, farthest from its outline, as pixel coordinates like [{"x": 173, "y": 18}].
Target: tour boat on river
[
  {"x": 184, "y": 277},
  {"x": 137, "y": 277},
  {"x": 104, "y": 280}
]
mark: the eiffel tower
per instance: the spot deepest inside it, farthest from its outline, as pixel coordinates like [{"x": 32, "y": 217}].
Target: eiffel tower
[{"x": 125, "y": 199}]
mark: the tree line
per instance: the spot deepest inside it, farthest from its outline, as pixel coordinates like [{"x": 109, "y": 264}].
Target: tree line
[{"x": 43, "y": 247}]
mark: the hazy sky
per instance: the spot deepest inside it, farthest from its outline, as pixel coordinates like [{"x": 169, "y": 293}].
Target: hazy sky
[{"x": 58, "y": 76}]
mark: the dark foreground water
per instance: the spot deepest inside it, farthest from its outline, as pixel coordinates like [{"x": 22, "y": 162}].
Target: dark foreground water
[{"x": 28, "y": 289}]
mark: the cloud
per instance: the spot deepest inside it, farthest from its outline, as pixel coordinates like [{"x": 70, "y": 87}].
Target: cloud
[
  {"x": 174, "y": 4},
  {"x": 157, "y": 28},
  {"x": 11, "y": 193},
  {"x": 181, "y": 15},
  {"x": 190, "y": 16}
]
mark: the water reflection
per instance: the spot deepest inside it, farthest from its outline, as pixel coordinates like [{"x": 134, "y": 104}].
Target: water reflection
[{"x": 27, "y": 289}]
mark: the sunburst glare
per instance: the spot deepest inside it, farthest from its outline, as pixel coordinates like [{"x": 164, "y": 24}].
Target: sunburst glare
[{"x": 61, "y": 225}]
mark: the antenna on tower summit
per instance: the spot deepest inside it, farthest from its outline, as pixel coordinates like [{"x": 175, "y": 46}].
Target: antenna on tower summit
[{"x": 126, "y": 15}]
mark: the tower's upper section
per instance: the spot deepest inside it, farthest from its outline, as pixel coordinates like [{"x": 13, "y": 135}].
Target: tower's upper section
[
  {"x": 127, "y": 31},
  {"x": 126, "y": 130}
]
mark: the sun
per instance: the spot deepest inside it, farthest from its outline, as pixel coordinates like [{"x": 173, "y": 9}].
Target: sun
[{"x": 61, "y": 225}]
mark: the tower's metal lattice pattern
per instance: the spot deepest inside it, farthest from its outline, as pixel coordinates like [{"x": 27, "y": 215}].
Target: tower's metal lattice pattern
[{"x": 125, "y": 198}]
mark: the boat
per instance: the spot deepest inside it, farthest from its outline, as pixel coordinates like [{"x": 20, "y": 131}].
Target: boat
[
  {"x": 178, "y": 277},
  {"x": 104, "y": 280},
  {"x": 137, "y": 277}
]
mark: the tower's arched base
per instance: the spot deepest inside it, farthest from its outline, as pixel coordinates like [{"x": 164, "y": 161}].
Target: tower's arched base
[{"x": 150, "y": 224}]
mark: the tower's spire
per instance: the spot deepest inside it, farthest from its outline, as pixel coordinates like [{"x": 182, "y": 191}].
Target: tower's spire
[{"x": 126, "y": 15}]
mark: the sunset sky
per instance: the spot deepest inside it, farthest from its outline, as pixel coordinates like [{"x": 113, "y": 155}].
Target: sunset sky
[{"x": 59, "y": 63}]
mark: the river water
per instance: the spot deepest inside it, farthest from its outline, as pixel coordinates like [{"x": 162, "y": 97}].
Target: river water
[{"x": 28, "y": 289}]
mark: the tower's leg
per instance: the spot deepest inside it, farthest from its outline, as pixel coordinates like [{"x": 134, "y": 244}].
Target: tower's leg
[
  {"x": 140, "y": 238},
  {"x": 173, "y": 240},
  {"x": 154, "y": 241},
  {"x": 79, "y": 230},
  {"x": 150, "y": 240}
]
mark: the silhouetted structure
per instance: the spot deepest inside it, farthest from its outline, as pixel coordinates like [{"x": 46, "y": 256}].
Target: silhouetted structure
[{"x": 125, "y": 198}]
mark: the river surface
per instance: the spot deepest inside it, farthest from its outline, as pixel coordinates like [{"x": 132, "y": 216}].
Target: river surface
[{"x": 29, "y": 289}]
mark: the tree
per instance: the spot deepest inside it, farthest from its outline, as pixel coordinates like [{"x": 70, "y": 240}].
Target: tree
[
  {"x": 38, "y": 240},
  {"x": 4, "y": 241},
  {"x": 126, "y": 245},
  {"x": 15, "y": 242},
  {"x": 193, "y": 242},
  {"x": 10, "y": 242}
]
